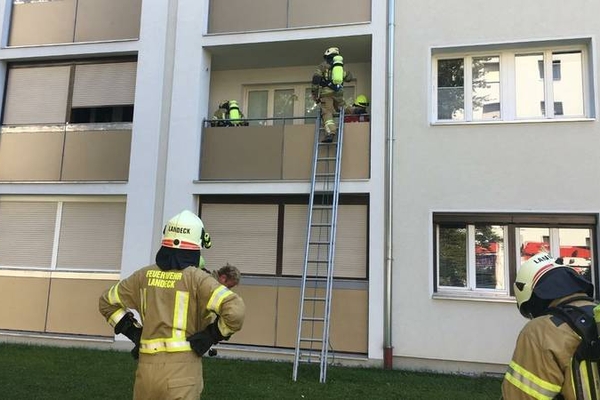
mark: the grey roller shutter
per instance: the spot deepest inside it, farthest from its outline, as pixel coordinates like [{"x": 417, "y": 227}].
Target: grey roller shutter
[
  {"x": 104, "y": 84},
  {"x": 351, "y": 241},
  {"x": 244, "y": 235},
  {"x": 91, "y": 236},
  {"x": 36, "y": 95},
  {"x": 27, "y": 233}
]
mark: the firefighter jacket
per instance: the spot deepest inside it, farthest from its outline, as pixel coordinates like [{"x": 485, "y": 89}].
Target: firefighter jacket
[
  {"x": 321, "y": 79},
  {"x": 173, "y": 305},
  {"x": 541, "y": 366}
]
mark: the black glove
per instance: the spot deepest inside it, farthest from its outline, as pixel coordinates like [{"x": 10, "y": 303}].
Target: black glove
[
  {"x": 129, "y": 327},
  {"x": 202, "y": 341}
]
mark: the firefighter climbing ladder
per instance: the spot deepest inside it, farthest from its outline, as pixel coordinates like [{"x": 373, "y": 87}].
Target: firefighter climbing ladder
[{"x": 312, "y": 343}]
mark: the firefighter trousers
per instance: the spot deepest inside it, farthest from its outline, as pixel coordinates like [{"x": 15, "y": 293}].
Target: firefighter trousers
[
  {"x": 330, "y": 104},
  {"x": 168, "y": 376}
]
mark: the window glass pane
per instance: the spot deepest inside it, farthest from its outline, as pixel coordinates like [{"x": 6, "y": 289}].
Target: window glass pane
[
  {"x": 529, "y": 86},
  {"x": 311, "y": 109},
  {"x": 486, "y": 88},
  {"x": 283, "y": 105},
  {"x": 453, "y": 256},
  {"x": 489, "y": 257},
  {"x": 450, "y": 96},
  {"x": 533, "y": 241},
  {"x": 568, "y": 83},
  {"x": 257, "y": 105},
  {"x": 575, "y": 249}
]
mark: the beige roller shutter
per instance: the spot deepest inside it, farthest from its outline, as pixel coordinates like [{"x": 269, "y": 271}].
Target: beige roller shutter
[
  {"x": 91, "y": 236},
  {"x": 244, "y": 235},
  {"x": 27, "y": 233},
  {"x": 351, "y": 241},
  {"x": 36, "y": 95},
  {"x": 104, "y": 84}
]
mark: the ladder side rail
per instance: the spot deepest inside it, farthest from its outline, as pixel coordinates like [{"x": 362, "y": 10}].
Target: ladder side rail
[
  {"x": 307, "y": 247},
  {"x": 331, "y": 254}
]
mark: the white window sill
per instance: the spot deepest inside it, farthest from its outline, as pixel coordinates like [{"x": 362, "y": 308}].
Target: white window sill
[
  {"x": 519, "y": 121},
  {"x": 473, "y": 296}
]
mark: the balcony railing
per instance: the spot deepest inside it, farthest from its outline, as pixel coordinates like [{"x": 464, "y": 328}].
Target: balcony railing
[{"x": 276, "y": 149}]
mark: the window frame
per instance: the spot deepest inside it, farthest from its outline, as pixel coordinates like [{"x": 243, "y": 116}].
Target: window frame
[
  {"x": 512, "y": 222},
  {"x": 507, "y": 54},
  {"x": 299, "y": 117}
]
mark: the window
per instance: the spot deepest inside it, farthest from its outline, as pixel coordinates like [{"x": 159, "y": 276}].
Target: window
[
  {"x": 479, "y": 254},
  {"x": 266, "y": 236},
  {"x": 284, "y": 104},
  {"x": 87, "y": 92},
  {"x": 510, "y": 84},
  {"x": 67, "y": 235}
]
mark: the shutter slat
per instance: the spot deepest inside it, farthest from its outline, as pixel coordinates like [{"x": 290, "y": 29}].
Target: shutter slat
[{"x": 104, "y": 84}]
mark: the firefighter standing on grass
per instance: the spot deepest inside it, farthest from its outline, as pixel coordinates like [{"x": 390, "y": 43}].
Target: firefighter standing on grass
[
  {"x": 327, "y": 89},
  {"x": 542, "y": 366},
  {"x": 176, "y": 301}
]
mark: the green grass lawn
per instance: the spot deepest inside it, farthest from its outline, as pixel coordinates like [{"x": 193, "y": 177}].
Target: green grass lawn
[{"x": 36, "y": 372}]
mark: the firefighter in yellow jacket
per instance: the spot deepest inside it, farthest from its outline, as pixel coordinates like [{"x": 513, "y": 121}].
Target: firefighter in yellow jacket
[
  {"x": 541, "y": 366},
  {"x": 327, "y": 89},
  {"x": 176, "y": 302}
]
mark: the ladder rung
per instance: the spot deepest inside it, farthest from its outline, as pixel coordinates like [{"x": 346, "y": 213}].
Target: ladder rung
[
  {"x": 323, "y": 159},
  {"x": 319, "y": 242},
  {"x": 318, "y": 319},
  {"x": 314, "y": 299},
  {"x": 317, "y": 261},
  {"x": 311, "y": 340},
  {"x": 323, "y": 174},
  {"x": 322, "y": 206},
  {"x": 321, "y": 224}
]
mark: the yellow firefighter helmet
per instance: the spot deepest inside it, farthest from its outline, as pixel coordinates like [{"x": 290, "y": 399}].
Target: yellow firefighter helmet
[
  {"x": 184, "y": 231},
  {"x": 362, "y": 100}
]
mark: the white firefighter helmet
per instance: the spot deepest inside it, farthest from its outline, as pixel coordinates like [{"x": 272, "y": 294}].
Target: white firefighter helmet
[
  {"x": 529, "y": 274},
  {"x": 330, "y": 52},
  {"x": 183, "y": 231}
]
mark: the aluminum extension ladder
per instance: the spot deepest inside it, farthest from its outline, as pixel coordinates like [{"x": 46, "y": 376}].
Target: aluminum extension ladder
[{"x": 312, "y": 343}]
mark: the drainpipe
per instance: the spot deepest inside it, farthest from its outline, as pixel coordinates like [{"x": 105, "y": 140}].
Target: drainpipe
[{"x": 389, "y": 168}]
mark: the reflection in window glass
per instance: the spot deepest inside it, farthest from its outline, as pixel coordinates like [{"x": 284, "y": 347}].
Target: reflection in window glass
[
  {"x": 311, "y": 109},
  {"x": 533, "y": 241},
  {"x": 453, "y": 256},
  {"x": 489, "y": 257},
  {"x": 575, "y": 249},
  {"x": 450, "y": 84},
  {"x": 529, "y": 86},
  {"x": 568, "y": 90},
  {"x": 283, "y": 105},
  {"x": 257, "y": 105},
  {"x": 486, "y": 88}
]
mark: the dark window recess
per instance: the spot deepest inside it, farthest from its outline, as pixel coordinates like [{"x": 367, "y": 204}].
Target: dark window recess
[{"x": 85, "y": 115}]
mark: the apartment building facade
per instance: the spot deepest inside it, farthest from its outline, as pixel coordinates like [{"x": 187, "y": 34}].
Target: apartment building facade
[{"x": 463, "y": 168}]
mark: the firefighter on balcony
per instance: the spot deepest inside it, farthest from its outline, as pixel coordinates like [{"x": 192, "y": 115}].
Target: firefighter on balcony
[
  {"x": 358, "y": 112},
  {"x": 327, "y": 89},
  {"x": 175, "y": 301},
  {"x": 545, "y": 362},
  {"x": 228, "y": 114}
]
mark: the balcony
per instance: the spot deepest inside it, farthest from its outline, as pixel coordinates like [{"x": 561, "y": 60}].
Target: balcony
[
  {"x": 229, "y": 16},
  {"x": 77, "y": 152},
  {"x": 277, "y": 152}
]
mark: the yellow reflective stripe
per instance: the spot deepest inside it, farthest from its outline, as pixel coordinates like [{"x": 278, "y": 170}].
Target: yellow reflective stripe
[
  {"x": 220, "y": 294},
  {"x": 530, "y": 383},
  {"x": 164, "y": 345},
  {"x": 182, "y": 300},
  {"x": 116, "y": 317},
  {"x": 596, "y": 375},
  {"x": 113, "y": 295},
  {"x": 143, "y": 303}
]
